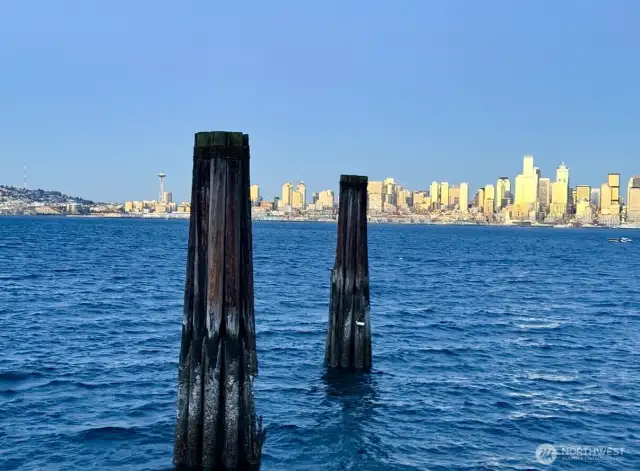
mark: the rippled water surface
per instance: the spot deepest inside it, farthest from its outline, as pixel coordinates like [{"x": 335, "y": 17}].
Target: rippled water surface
[{"x": 487, "y": 343}]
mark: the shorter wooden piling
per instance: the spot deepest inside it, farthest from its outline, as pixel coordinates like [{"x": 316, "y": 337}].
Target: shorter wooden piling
[{"x": 349, "y": 336}]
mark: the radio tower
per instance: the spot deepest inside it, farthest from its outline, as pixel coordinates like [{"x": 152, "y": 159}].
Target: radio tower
[
  {"x": 25, "y": 175},
  {"x": 161, "y": 176}
]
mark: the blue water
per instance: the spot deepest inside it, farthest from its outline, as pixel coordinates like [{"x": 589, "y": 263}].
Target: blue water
[{"x": 488, "y": 342}]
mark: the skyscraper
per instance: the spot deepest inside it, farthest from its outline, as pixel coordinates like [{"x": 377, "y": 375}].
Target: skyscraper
[
  {"x": 389, "y": 191},
  {"x": 583, "y": 192},
  {"x": 489, "y": 199},
  {"x": 478, "y": 200},
  {"x": 544, "y": 194},
  {"x": 503, "y": 191},
  {"x": 463, "y": 201},
  {"x": 454, "y": 196},
  {"x": 325, "y": 200},
  {"x": 595, "y": 197},
  {"x": 374, "y": 196},
  {"x": 444, "y": 195},
  {"x": 254, "y": 193},
  {"x": 302, "y": 189},
  {"x": 527, "y": 184},
  {"x": 287, "y": 194},
  {"x": 633, "y": 200},
  {"x": 434, "y": 193},
  {"x": 560, "y": 192}
]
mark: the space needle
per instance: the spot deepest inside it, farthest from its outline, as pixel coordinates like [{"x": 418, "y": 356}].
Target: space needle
[{"x": 161, "y": 176}]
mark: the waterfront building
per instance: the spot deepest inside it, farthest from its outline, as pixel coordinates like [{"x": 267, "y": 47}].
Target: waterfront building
[
  {"x": 374, "y": 196},
  {"x": 325, "y": 200}
]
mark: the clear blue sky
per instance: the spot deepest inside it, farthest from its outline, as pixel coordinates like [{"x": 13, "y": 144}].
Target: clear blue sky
[{"x": 100, "y": 96}]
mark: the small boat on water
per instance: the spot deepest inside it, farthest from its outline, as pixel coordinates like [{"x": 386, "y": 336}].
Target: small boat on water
[{"x": 624, "y": 240}]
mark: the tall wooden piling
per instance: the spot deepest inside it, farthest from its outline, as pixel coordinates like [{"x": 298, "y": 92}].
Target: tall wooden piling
[
  {"x": 349, "y": 337},
  {"x": 216, "y": 426}
]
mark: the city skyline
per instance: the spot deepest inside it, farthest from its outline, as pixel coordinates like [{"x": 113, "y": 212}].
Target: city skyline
[
  {"x": 551, "y": 177},
  {"x": 421, "y": 92}
]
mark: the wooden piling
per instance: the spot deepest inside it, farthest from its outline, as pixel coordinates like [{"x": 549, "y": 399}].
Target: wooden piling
[
  {"x": 349, "y": 337},
  {"x": 216, "y": 425}
]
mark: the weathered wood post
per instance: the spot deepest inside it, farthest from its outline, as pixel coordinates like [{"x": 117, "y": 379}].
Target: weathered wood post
[
  {"x": 349, "y": 336},
  {"x": 216, "y": 424}
]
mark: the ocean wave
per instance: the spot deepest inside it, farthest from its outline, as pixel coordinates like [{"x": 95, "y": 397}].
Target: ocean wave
[
  {"x": 552, "y": 378},
  {"x": 550, "y": 325}
]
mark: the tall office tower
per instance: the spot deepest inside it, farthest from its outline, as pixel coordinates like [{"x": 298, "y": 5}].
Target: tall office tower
[
  {"x": 167, "y": 197},
  {"x": 595, "y": 197},
  {"x": 560, "y": 192},
  {"x": 489, "y": 199},
  {"x": 544, "y": 194},
  {"x": 605, "y": 199},
  {"x": 463, "y": 201},
  {"x": 287, "y": 194},
  {"x": 254, "y": 193},
  {"x": 403, "y": 198},
  {"x": 302, "y": 189},
  {"x": 389, "y": 191},
  {"x": 454, "y": 196},
  {"x": 374, "y": 196},
  {"x": 583, "y": 192},
  {"x": 478, "y": 200},
  {"x": 527, "y": 185},
  {"x": 444, "y": 195},
  {"x": 434, "y": 194},
  {"x": 296, "y": 200},
  {"x": 633, "y": 200},
  {"x": 503, "y": 189},
  {"x": 613, "y": 179}
]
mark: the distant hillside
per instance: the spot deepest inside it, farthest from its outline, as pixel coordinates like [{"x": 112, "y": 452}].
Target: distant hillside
[{"x": 12, "y": 193}]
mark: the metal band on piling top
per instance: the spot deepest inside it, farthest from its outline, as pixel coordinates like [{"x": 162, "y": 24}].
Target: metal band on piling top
[
  {"x": 221, "y": 144},
  {"x": 353, "y": 181}
]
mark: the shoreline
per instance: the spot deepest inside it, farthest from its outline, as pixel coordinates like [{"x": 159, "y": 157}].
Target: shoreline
[{"x": 388, "y": 221}]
